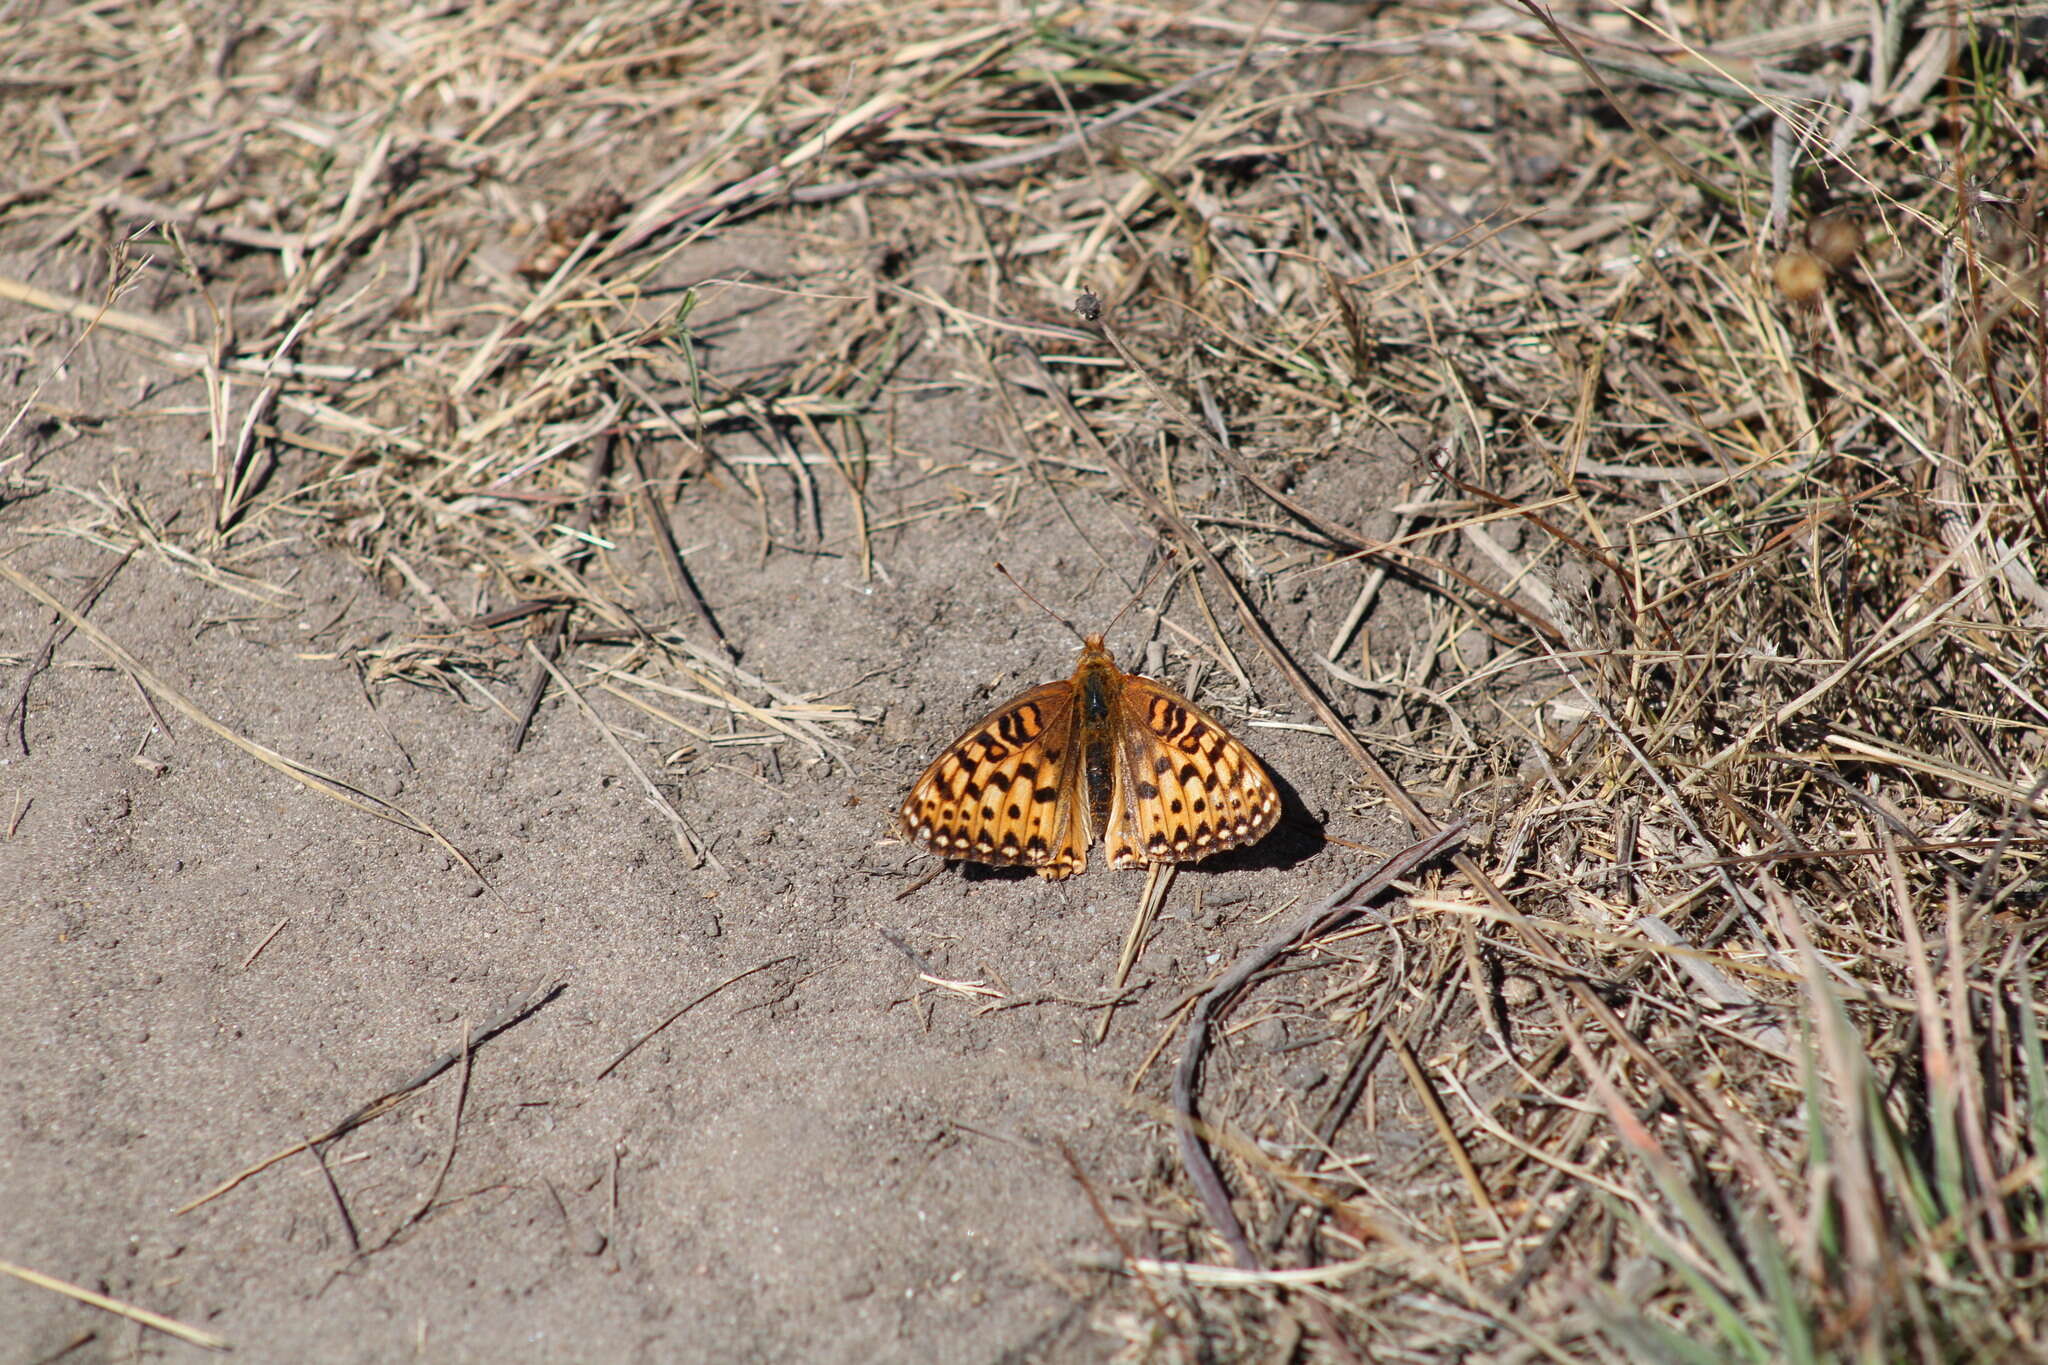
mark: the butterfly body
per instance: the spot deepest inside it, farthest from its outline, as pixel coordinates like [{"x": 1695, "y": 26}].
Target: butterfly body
[{"x": 1104, "y": 754}]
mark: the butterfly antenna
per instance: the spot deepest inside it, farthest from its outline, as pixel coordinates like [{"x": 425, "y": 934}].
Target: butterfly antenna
[
  {"x": 1036, "y": 603},
  {"x": 1137, "y": 596}
]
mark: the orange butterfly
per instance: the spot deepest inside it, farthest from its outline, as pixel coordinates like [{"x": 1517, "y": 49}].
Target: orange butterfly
[{"x": 1104, "y": 753}]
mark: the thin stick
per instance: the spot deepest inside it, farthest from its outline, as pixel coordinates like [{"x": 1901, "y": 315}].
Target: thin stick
[
  {"x": 384, "y": 1103},
  {"x": 1367, "y": 592},
  {"x": 348, "y": 1220},
  {"x": 648, "y": 1036},
  {"x": 1439, "y": 1116},
  {"x": 448, "y": 1156},
  {"x": 1333, "y": 911},
  {"x": 255, "y": 952},
  {"x": 1130, "y": 1260},
  {"x": 679, "y": 579},
  {"x": 1333, "y": 532},
  {"x": 97, "y": 314}
]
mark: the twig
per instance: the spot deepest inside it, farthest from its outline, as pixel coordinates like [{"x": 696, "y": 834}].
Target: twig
[
  {"x": 257, "y": 951},
  {"x": 97, "y": 314},
  {"x": 1433, "y": 1105},
  {"x": 1333, "y": 911},
  {"x": 1334, "y": 532},
  {"x": 649, "y": 1036},
  {"x": 448, "y": 1156},
  {"x": 1158, "y": 877},
  {"x": 516, "y": 1013},
  {"x": 1128, "y": 1260},
  {"x": 679, "y": 579},
  {"x": 348, "y": 1220}
]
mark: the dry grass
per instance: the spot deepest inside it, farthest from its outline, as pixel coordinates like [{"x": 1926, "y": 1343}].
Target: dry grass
[{"x": 1721, "y": 357}]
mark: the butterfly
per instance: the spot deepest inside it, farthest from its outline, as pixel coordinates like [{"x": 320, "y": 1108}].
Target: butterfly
[{"x": 1105, "y": 754}]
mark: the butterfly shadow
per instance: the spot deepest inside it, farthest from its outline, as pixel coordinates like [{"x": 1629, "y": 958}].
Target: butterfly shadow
[
  {"x": 1297, "y": 837},
  {"x": 988, "y": 872}
]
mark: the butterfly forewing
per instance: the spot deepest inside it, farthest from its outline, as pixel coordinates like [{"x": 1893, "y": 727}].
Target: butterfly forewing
[
  {"x": 1005, "y": 792},
  {"x": 1186, "y": 787}
]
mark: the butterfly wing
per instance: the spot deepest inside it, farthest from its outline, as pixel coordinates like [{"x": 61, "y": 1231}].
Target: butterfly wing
[
  {"x": 1006, "y": 791},
  {"x": 1185, "y": 786}
]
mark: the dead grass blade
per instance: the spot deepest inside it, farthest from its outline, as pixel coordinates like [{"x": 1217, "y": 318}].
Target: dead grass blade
[
  {"x": 686, "y": 838},
  {"x": 312, "y": 778},
  {"x": 192, "y": 1336}
]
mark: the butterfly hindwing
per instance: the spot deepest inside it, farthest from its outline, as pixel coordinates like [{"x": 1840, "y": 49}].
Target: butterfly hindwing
[
  {"x": 1004, "y": 792},
  {"x": 1185, "y": 786}
]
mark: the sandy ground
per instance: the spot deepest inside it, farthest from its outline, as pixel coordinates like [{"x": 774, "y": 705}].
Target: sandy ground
[{"x": 829, "y": 1159}]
